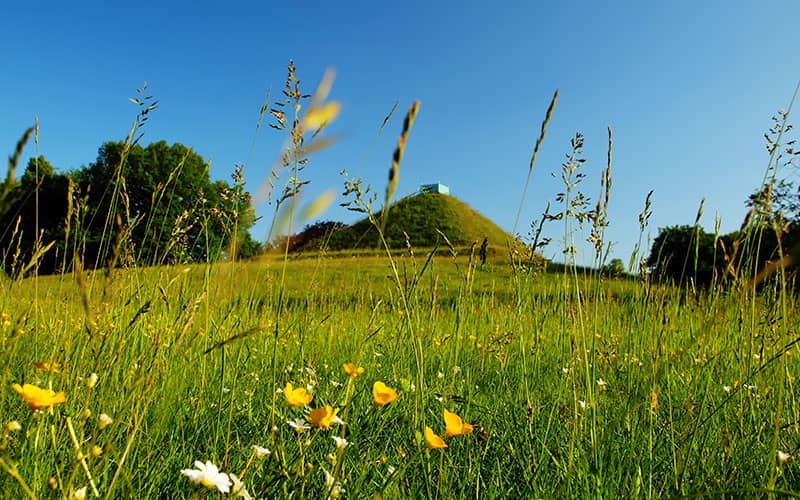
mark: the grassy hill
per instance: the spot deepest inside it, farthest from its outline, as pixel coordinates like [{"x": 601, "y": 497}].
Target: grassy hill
[{"x": 419, "y": 216}]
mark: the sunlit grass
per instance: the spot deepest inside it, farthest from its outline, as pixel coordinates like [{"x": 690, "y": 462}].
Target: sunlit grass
[{"x": 683, "y": 398}]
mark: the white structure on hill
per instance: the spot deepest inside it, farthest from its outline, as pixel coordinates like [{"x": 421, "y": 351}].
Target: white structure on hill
[{"x": 434, "y": 188}]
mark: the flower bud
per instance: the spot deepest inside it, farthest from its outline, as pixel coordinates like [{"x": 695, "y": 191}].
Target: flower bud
[{"x": 104, "y": 421}]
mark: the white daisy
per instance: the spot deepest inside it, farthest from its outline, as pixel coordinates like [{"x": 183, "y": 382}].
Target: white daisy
[
  {"x": 260, "y": 451},
  {"x": 208, "y": 476}
]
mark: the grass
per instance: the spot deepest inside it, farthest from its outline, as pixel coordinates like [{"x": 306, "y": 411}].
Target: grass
[
  {"x": 576, "y": 385},
  {"x": 178, "y": 401}
]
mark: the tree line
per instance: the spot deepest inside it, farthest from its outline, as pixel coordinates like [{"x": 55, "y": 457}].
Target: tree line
[
  {"x": 767, "y": 241},
  {"x": 134, "y": 205},
  {"x": 684, "y": 254}
]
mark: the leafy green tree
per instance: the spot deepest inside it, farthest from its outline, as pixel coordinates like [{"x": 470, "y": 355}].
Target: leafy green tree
[
  {"x": 615, "y": 268},
  {"x": 163, "y": 194},
  {"x": 681, "y": 253},
  {"x": 26, "y": 229},
  {"x": 249, "y": 247}
]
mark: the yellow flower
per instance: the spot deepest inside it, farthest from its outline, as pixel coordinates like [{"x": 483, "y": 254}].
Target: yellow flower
[
  {"x": 351, "y": 370},
  {"x": 454, "y": 426},
  {"x": 382, "y": 394},
  {"x": 318, "y": 116},
  {"x": 39, "y": 399},
  {"x": 323, "y": 417},
  {"x": 432, "y": 440},
  {"x": 296, "y": 397}
]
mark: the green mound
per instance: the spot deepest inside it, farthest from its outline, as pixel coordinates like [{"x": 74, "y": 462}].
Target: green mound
[{"x": 420, "y": 216}]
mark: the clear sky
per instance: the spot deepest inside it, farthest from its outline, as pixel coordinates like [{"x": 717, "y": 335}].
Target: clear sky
[{"x": 688, "y": 88}]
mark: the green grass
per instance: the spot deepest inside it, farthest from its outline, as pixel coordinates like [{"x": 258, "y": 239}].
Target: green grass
[{"x": 510, "y": 356}]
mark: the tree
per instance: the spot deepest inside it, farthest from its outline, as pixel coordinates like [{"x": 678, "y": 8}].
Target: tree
[
  {"x": 166, "y": 201},
  {"x": 615, "y": 268},
  {"x": 769, "y": 237},
  {"x": 680, "y": 253},
  {"x": 24, "y": 230}
]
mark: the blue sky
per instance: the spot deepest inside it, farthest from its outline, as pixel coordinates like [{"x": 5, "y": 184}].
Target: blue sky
[{"x": 688, "y": 88}]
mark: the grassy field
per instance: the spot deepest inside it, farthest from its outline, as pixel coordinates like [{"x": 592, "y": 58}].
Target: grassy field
[{"x": 575, "y": 386}]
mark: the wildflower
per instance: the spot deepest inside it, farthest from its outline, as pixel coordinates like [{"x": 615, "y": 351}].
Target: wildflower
[
  {"x": 78, "y": 494},
  {"x": 317, "y": 206},
  {"x": 439, "y": 375},
  {"x": 321, "y": 115},
  {"x": 333, "y": 485},
  {"x": 352, "y": 371},
  {"x": 208, "y": 476},
  {"x": 296, "y": 397},
  {"x": 91, "y": 381},
  {"x": 783, "y": 457},
  {"x": 46, "y": 366},
  {"x": 299, "y": 425},
  {"x": 454, "y": 426},
  {"x": 727, "y": 388},
  {"x": 432, "y": 440},
  {"x": 260, "y": 452},
  {"x": 96, "y": 451},
  {"x": 582, "y": 404},
  {"x": 601, "y": 383},
  {"x": 382, "y": 394},
  {"x": 37, "y": 398},
  {"x": 323, "y": 417},
  {"x": 239, "y": 489},
  {"x": 341, "y": 442},
  {"x": 13, "y": 426},
  {"x": 104, "y": 421}
]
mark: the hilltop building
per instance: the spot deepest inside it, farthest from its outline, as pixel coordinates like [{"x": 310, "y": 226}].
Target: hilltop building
[{"x": 434, "y": 188}]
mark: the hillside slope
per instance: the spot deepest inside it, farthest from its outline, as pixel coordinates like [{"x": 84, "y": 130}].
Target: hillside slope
[{"x": 419, "y": 216}]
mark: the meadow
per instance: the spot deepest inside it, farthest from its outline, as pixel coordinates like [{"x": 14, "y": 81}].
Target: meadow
[
  {"x": 574, "y": 388},
  {"x": 414, "y": 373}
]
